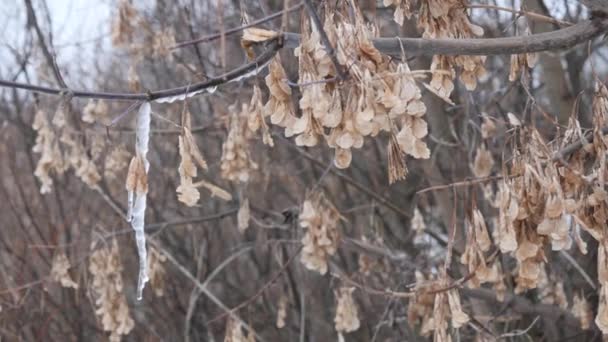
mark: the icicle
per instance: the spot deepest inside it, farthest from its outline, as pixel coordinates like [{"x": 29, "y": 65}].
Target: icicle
[{"x": 137, "y": 209}]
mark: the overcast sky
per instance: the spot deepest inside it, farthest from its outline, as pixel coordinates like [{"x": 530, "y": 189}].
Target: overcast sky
[{"x": 79, "y": 26}]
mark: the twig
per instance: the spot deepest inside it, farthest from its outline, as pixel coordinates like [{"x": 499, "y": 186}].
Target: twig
[
  {"x": 45, "y": 49},
  {"x": 459, "y": 184},
  {"x": 261, "y": 290},
  {"x": 302, "y": 316},
  {"x": 390, "y": 293},
  {"x": 382, "y": 200},
  {"x": 566, "y": 151},
  {"x": 528, "y": 14},
  {"x": 232, "y": 31},
  {"x": 194, "y": 294},
  {"x": 225, "y": 263},
  {"x": 520, "y": 332},
  {"x": 202, "y": 288},
  {"x": 578, "y": 267},
  {"x": 326, "y": 43}
]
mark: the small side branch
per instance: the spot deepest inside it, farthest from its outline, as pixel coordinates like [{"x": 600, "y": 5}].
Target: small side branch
[
  {"x": 234, "y": 30},
  {"x": 50, "y": 59}
]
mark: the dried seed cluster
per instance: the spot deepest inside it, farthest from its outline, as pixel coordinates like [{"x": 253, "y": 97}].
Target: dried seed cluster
[
  {"x": 236, "y": 164},
  {"x": 59, "y": 271},
  {"x": 347, "y": 315},
  {"x": 107, "y": 286},
  {"x": 61, "y": 148},
  {"x": 382, "y": 96},
  {"x": 320, "y": 218}
]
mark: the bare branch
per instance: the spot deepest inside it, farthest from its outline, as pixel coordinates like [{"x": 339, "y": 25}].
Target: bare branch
[
  {"x": 272, "y": 48},
  {"x": 50, "y": 59}
]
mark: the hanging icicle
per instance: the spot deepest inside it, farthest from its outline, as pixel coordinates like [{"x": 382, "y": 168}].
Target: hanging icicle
[{"x": 137, "y": 191}]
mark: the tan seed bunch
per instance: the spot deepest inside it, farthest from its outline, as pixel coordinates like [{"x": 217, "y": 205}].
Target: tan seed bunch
[
  {"x": 279, "y": 106},
  {"x": 448, "y": 19},
  {"x": 83, "y": 166},
  {"x": 282, "y": 311},
  {"x": 61, "y": 148},
  {"x": 107, "y": 286},
  {"x": 347, "y": 315},
  {"x": 236, "y": 163},
  {"x": 320, "y": 218},
  {"x": 420, "y": 307},
  {"x": 482, "y": 166},
  {"x": 417, "y": 222},
  {"x": 163, "y": 41},
  {"x": 402, "y": 9},
  {"x": 124, "y": 24},
  {"x": 551, "y": 291},
  {"x": 156, "y": 271},
  {"x": 397, "y": 170},
  {"x": 488, "y": 127},
  {"x": 137, "y": 178},
  {"x": 116, "y": 161},
  {"x": 256, "y": 120},
  {"x": 600, "y": 104},
  {"x": 59, "y": 271},
  {"x": 243, "y": 216},
  {"x": 234, "y": 331},
  {"x": 402, "y": 98},
  {"x": 601, "y": 320},
  {"x": 523, "y": 63},
  {"x": 459, "y": 317},
  {"x": 478, "y": 242},
  {"x": 191, "y": 157},
  {"x": 96, "y": 111},
  {"x": 581, "y": 309},
  {"x": 47, "y": 144},
  {"x": 441, "y": 312}
]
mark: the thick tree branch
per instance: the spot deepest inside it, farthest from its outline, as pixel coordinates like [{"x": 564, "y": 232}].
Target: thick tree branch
[{"x": 560, "y": 39}]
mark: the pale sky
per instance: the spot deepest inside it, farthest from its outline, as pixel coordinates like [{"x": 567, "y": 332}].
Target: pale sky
[{"x": 80, "y": 27}]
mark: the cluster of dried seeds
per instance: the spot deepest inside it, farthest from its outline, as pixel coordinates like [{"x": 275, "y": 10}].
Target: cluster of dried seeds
[
  {"x": 347, "y": 315},
  {"x": 382, "y": 96},
  {"x": 107, "y": 286},
  {"x": 61, "y": 148},
  {"x": 449, "y": 19},
  {"x": 236, "y": 164},
  {"x": 191, "y": 160},
  {"x": 320, "y": 218},
  {"x": 59, "y": 271}
]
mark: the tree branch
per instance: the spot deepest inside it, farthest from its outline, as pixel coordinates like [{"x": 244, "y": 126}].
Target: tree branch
[
  {"x": 272, "y": 47},
  {"x": 559, "y": 39},
  {"x": 556, "y": 40},
  {"x": 50, "y": 59}
]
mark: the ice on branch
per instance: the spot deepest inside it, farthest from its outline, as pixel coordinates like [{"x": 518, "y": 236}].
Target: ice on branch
[{"x": 137, "y": 190}]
